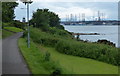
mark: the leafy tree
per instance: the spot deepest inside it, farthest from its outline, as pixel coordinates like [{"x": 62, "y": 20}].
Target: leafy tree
[
  {"x": 8, "y": 11},
  {"x": 40, "y": 19},
  {"x": 43, "y": 18},
  {"x": 54, "y": 19}
]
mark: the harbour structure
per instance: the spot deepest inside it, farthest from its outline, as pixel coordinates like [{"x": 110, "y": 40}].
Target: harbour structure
[{"x": 80, "y": 19}]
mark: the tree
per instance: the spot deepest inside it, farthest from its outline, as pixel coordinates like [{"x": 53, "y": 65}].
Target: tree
[
  {"x": 40, "y": 19},
  {"x": 43, "y": 18},
  {"x": 54, "y": 19},
  {"x": 8, "y": 11}
]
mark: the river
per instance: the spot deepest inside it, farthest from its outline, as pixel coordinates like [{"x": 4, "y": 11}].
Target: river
[{"x": 107, "y": 32}]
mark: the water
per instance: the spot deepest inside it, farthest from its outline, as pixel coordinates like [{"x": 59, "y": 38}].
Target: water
[{"x": 107, "y": 32}]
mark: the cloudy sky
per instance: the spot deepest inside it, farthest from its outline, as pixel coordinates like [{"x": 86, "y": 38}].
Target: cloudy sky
[{"x": 109, "y": 9}]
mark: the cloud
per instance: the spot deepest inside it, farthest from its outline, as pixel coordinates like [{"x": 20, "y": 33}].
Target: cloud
[
  {"x": 89, "y": 8},
  {"x": 76, "y": 8},
  {"x": 76, "y": 0}
]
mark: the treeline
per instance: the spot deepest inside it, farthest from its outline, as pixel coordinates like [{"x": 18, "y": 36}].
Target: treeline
[
  {"x": 43, "y": 18},
  {"x": 8, "y": 11}
]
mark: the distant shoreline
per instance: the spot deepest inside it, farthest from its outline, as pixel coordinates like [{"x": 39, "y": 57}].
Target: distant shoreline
[
  {"x": 85, "y": 33},
  {"x": 90, "y": 25}
]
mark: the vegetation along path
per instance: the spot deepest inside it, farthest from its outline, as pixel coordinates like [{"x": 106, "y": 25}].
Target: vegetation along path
[
  {"x": 13, "y": 62},
  {"x": 79, "y": 65}
]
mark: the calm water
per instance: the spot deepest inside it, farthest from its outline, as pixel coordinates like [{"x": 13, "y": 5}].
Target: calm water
[{"x": 107, "y": 32}]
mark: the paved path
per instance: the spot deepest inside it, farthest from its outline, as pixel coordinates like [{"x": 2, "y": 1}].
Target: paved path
[{"x": 13, "y": 62}]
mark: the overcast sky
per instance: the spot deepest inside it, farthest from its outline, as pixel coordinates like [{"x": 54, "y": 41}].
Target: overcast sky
[{"x": 110, "y": 9}]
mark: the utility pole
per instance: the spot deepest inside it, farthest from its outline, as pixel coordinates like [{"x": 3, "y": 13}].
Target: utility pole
[{"x": 27, "y": 2}]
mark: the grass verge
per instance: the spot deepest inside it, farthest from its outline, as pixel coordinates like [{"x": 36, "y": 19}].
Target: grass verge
[
  {"x": 8, "y": 31},
  {"x": 72, "y": 64},
  {"x": 13, "y": 29},
  {"x": 35, "y": 59}
]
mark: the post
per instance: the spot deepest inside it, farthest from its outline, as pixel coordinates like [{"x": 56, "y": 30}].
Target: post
[{"x": 28, "y": 25}]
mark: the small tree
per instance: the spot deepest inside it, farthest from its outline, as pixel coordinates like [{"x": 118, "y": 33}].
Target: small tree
[{"x": 43, "y": 19}]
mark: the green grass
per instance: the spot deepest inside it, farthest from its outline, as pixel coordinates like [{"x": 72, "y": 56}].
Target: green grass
[
  {"x": 6, "y": 34},
  {"x": 54, "y": 43},
  {"x": 65, "y": 44},
  {"x": 13, "y": 29},
  {"x": 78, "y": 65},
  {"x": 10, "y": 31},
  {"x": 69, "y": 64},
  {"x": 35, "y": 59}
]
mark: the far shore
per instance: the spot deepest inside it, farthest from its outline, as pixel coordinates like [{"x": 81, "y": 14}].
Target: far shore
[{"x": 85, "y": 33}]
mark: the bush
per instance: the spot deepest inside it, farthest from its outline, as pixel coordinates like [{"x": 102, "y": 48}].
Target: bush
[
  {"x": 63, "y": 43},
  {"x": 56, "y": 72},
  {"x": 17, "y": 24},
  {"x": 60, "y": 27},
  {"x": 48, "y": 39},
  {"x": 95, "y": 51},
  {"x": 44, "y": 39},
  {"x": 59, "y": 32},
  {"x": 47, "y": 56}
]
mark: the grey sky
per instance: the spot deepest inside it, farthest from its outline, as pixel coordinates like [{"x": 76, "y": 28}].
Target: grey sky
[{"x": 66, "y": 8}]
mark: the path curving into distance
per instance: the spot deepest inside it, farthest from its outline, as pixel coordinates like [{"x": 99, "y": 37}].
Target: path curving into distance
[{"x": 12, "y": 60}]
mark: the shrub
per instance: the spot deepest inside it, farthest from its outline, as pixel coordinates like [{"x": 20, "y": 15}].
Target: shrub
[
  {"x": 18, "y": 24},
  {"x": 48, "y": 39},
  {"x": 47, "y": 56},
  {"x": 65, "y": 44},
  {"x": 56, "y": 72},
  {"x": 15, "y": 23},
  {"x": 95, "y": 51},
  {"x": 60, "y": 27},
  {"x": 56, "y": 31}
]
